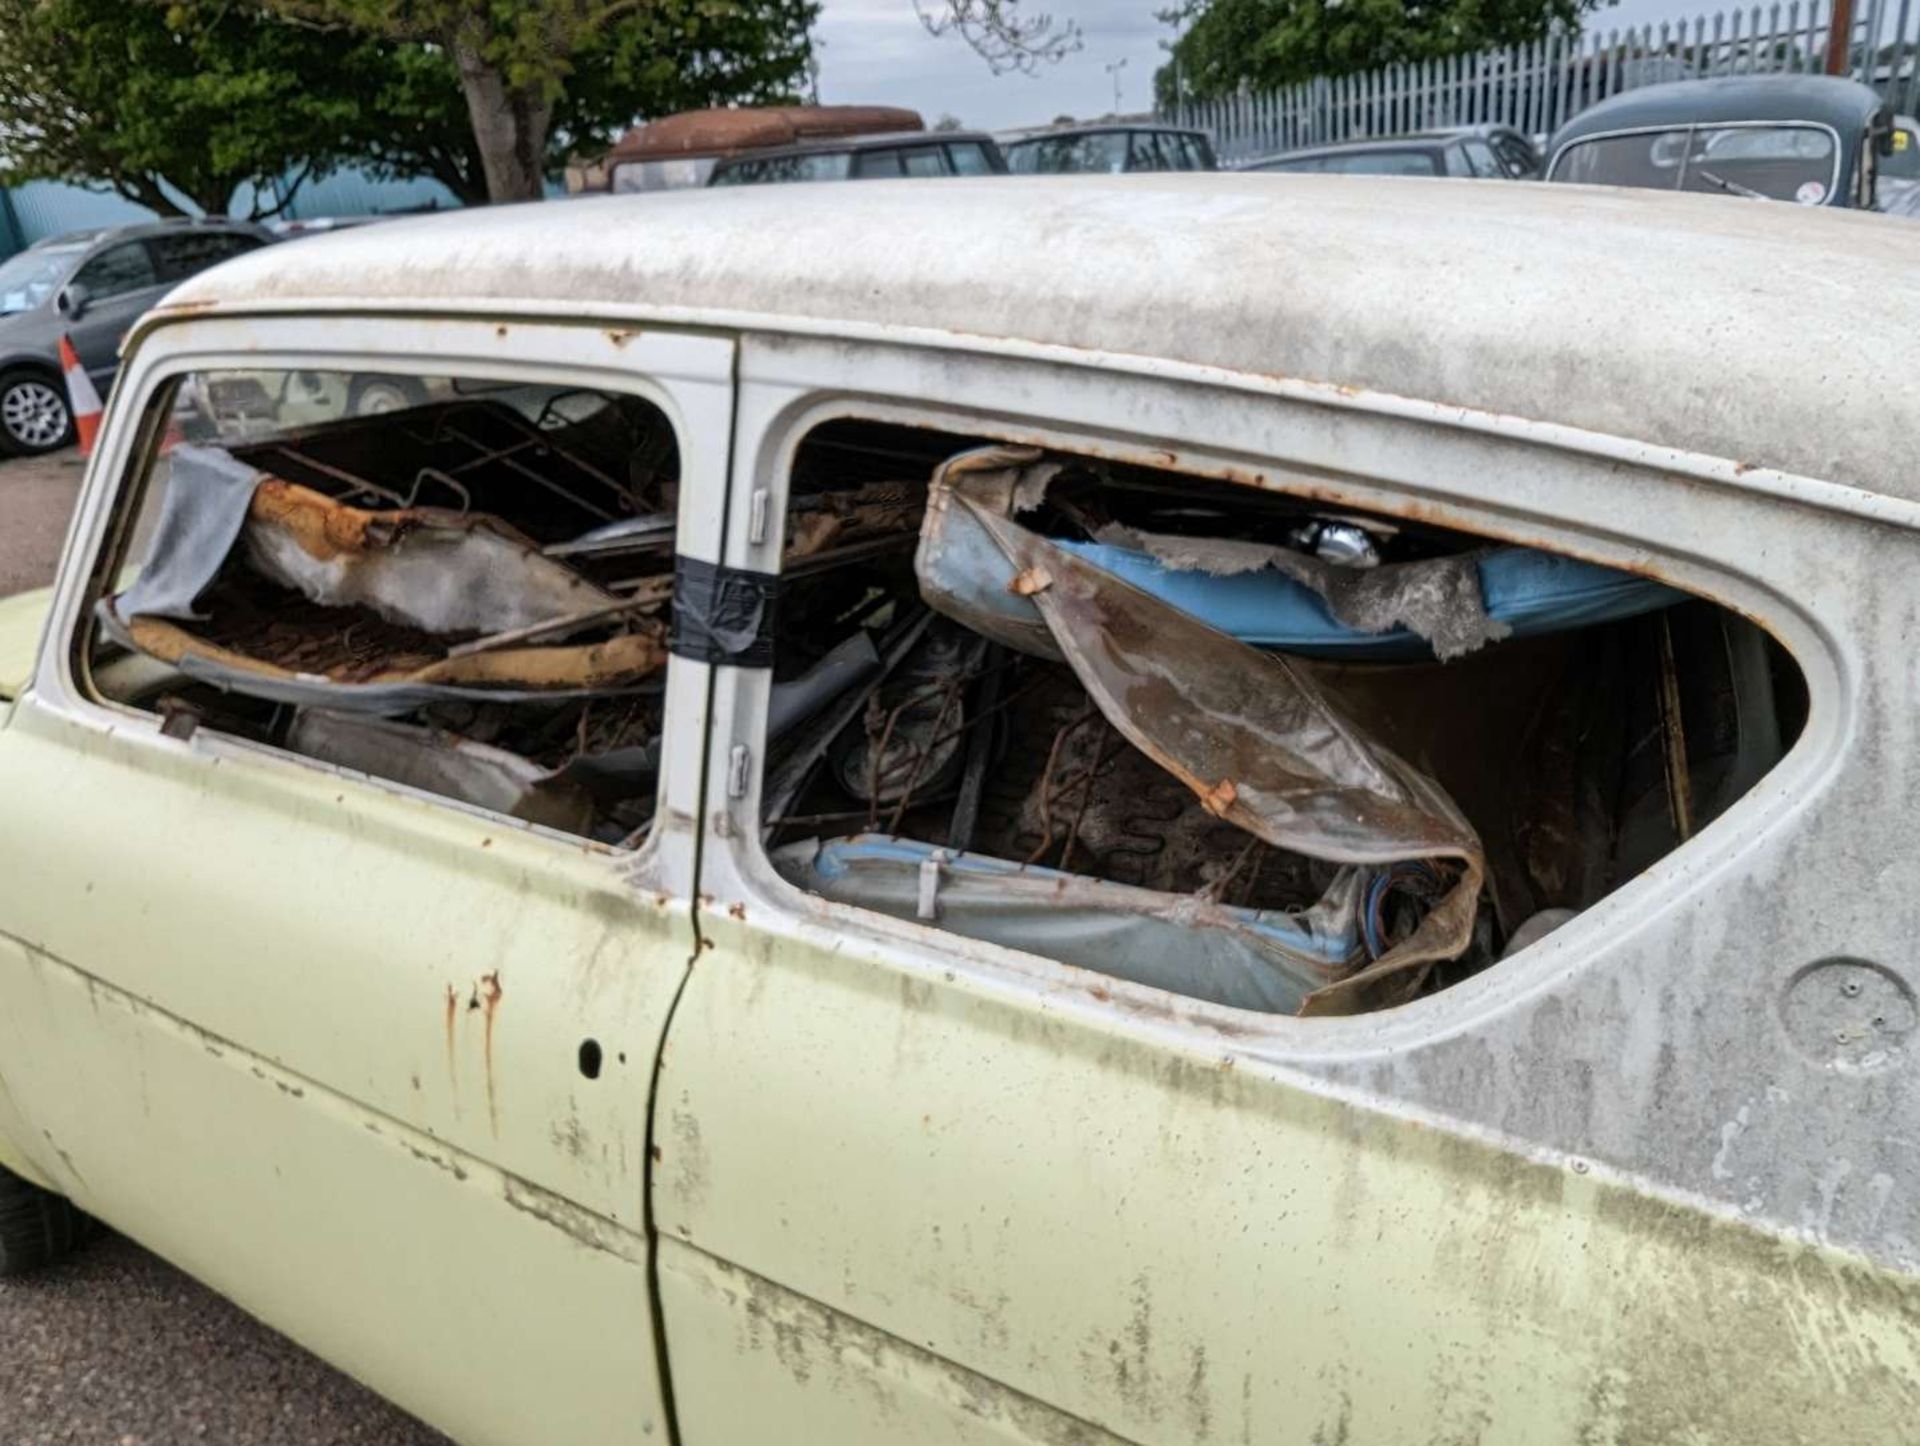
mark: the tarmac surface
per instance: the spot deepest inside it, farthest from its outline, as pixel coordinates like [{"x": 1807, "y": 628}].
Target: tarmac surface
[{"x": 115, "y": 1347}]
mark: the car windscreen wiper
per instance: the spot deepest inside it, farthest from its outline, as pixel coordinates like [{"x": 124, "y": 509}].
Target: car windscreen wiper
[{"x": 1732, "y": 187}]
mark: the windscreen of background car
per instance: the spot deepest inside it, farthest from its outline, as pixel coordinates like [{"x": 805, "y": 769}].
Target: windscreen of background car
[
  {"x": 1517, "y": 158},
  {"x": 766, "y": 170},
  {"x": 462, "y": 587},
  {"x": 1383, "y": 163},
  {"x": 1480, "y": 159},
  {"x": 1059, "y": 155},
  {"x": 1155, "y": 151},
  {"x": 969, "y": 158},
  {"x": 672, "y": 175},
  {"x": 31, "y": 277},
  {"x": 1777, "y": 163}
]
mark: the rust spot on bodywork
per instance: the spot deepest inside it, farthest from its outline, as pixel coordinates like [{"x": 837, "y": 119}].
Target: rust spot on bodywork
[
  {"x": 583, "y": 1227},
  {"x": 453, "y": 1054},
  {"x": 622, "y": 338},
  {"x": 490, "y": 992},
  {"x": 438, "y": 1161}
]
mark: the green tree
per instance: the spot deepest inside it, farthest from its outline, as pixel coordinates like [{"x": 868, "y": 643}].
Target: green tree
[
  {"x": 173, "y": 106},
  {"x": 1263, "y": 44},
  {"x": 529, "y": 70},
  {"x": 675, "y": 55}
]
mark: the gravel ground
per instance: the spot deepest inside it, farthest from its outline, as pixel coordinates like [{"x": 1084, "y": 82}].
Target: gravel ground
[
  {"x": 116, "y": 1347},
  {"x": 36, "y": 499}
]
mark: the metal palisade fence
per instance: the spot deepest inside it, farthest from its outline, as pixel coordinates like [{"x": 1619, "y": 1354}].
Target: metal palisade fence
[{"x": 1536, "y": 87}]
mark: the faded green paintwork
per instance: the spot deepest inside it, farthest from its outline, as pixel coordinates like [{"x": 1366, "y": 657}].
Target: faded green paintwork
[
  {"x": 1173, "y": 1243},
  {"x": 452, "y": 1287},
  {"x": 318, "y": 1038},
  {"x": 318, "y": 1042},
  {"x": 22, "y": 619}
]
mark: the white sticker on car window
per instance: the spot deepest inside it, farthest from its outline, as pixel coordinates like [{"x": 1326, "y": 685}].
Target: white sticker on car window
[{"x": 1811, "y": 193}]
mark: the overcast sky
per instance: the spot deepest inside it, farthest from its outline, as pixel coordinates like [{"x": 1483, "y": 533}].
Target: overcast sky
[{"x": 877, "y": 51}]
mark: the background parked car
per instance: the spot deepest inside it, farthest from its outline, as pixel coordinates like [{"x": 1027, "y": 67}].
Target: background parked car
[
  {"x": 1426, "y": 153},
  {"x": 867, "y": 158},
  {"x": 89, "y": 285},
  {"x": 1902, "y": 160},
  {"x": 684, "y": 149},
  {"x": 1899, "y": 169},
  {"x": 318, "y": 225},
  {"x": 1902, "y": 200},
  {"x": 1109, "y": 149},
  {"x": 1519, "y": 157},
  {"x": 1813, "y": 139}
]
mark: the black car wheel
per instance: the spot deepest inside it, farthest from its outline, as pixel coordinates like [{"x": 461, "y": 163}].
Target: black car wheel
[
  {"x": 34, "y": 415},
  {"x": 37, "y": 1227}
]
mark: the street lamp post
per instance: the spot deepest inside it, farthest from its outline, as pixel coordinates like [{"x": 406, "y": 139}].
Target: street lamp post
[{"x": 1114, "y": 67}]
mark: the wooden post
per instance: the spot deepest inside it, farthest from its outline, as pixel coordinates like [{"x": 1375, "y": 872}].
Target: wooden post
[{"x": 1840, "y": 38}]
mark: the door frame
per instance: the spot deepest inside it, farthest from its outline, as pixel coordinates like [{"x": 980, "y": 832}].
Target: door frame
[{"x": 571, "y": 1236}]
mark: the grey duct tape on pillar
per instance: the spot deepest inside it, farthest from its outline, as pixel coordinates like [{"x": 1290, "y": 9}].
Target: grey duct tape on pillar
[{"x": 723, "y": 614}]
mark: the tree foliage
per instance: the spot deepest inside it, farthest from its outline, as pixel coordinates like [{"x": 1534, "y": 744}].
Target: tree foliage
[
  {"x": 531, "y": 70},
  {"x": 1263, "y": 44},
  {"x": 675, "y": 55},
  {"x": 168, "y": 104}
]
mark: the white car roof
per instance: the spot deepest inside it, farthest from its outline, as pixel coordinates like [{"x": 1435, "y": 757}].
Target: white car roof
[{"x": 1766, "y": 334}]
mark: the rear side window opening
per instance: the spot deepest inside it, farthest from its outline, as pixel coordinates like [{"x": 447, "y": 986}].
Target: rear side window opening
[
  {"x": 1221, "y": 741},
  {"x": 461, "y": 586}
]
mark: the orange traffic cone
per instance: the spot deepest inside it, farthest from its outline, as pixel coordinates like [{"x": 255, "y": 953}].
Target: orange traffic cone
[{"x": 81, "y": 397}]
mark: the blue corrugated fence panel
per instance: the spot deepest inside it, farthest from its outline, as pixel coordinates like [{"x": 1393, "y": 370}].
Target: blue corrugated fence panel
[{"x": 52, "y": 208}]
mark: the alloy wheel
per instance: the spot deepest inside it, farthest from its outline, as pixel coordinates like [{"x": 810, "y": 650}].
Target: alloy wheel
[{"x": 34, "y": 415}]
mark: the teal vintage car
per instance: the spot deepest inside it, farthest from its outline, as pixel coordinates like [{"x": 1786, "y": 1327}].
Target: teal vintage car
[{"x": 1812, "y": 139}]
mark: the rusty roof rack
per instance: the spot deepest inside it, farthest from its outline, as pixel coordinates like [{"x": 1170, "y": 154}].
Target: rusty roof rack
[{"x": 725, "y": 131}]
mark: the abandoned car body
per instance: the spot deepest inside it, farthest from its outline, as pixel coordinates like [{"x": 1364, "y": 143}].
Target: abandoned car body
[{"x": 914, "y": 842}]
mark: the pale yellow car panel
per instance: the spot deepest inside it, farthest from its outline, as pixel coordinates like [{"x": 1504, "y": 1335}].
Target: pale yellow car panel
[
  {"x": 319, "y": 1038},
  {"x": 495, "y": 1308},
  {"x": 1185, "y": 1244},
  {"x": 418, "y": 979}
]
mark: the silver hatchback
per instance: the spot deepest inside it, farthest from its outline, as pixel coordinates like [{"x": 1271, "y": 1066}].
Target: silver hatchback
[{"x": 91, "y": 286}]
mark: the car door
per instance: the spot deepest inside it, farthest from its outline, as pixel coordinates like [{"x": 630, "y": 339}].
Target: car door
[
  {"x": 121, "y": 282},
  {"x": 371, "y": 1062},
  {"x": 917, "y": 1187}
]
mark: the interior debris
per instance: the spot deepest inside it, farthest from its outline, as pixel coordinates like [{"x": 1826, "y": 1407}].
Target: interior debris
[
  {"x": 1237, "y": 746},
  {"x": 469, "y": 596},
  {"x": 1208, "y": 738}
]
